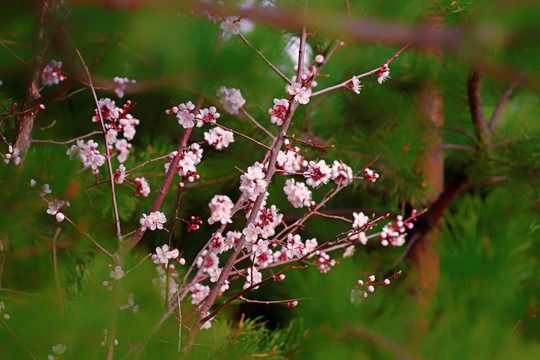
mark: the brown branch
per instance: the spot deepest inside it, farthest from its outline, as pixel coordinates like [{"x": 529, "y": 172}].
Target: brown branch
[
  {"x": 483, "y": 135},
  {"x": 25, "y": 122},
  {"x": 338, "y": 26}
]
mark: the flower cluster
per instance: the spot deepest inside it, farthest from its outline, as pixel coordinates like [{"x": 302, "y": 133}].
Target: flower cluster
[
  {"x": 324, "y": 262},
  {"x": 370, "y": 175},
  {"x": 341, "y": 173},
  {"x": 52, "y": 75},
  {"x": 231, "y": 99},
  {"x": 290, "y": 161},
  {"x": 221, "y": 207},
  {"x": 189, "y": 159},
  {"x": 88, "y": 154},
  {"x": 395, "y": 234},
  {"x": 267, "y": 220},
  {"x": 383, "y": 73},
  {"x": 118, "y": 121},
  {"x": 119, "y": 85},
  {"x": 300, "y": 93},
  {"x": 360, "y": 222},
  {"x": 153, "y": 221},
  {"x": 219, "y": 138},
  {"x": 142, "y": 187},
  {"x": 193, "y": 224},
  {"x": 54, "y": 208},
  {"x": 278, "y": 111},
  {"x": 120, "y": 174},
  {"x": 297, "y": 193},
  {"x": 188, "y": 117},
  {"x": 208, "y": 262},
  {"x": 253, "y": 277},
  {"x": 118, "y": 118},
  {"x": 12, "y": 155},
  {"x": 318, "y": 173},
  {"x": 164, "y": 254},
  {"x": 363, "y": 288},
  {"x": 252, "y": 182}
]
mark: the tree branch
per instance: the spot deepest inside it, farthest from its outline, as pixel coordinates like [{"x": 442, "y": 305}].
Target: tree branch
[{"x": 483, "y": 135}]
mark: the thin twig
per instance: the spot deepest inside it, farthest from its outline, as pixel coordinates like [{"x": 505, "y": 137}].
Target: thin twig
[
  {"x": 67, "y": 141},
  {"x": 107, "y": 156},
  {"x": 56, "y": 276},
  {"x": 19, "y": 340},
  {"x": 257, "y": 123},
  {"x": 243, "y": 135},
  {"x": 276, "y": 70},
  {"x": 457, "y": 147},
  {"x": 90, "y": 237},
  {"x": 502, "y": 102},
  {"x": 12, "y": 52}
]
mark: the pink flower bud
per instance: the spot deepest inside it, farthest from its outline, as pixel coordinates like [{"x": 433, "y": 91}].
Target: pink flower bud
[{"x": 60, "y": 217}]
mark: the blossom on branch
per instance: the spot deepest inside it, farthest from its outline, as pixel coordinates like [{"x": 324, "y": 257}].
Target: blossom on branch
[
  {"x": 231, "y": 25},
  {"x": 12, "y": 155},
  {"x": 52, "y": 75},
  {"x": 164, "y": 254},
  {"x": 278, "y": 111},
  {"x": 253, "y": 277},
  {"x": 341, "y": 173},
  {"x": 360, "y": 221},
  {"x": 54, "y": 208},
  {"x": 301, "y": 94},
  {"x": 209, "y": 115},
  {"x": 119, "y": 85},
  {"x": 354, "y": 85},
  {"x": 231, "y": 99},
  {"x": 142, "y": 187},
  {"x": 298, "y": 194},
  {"x": 318, "y": 173},
  {"x": 88, "y": 154},
  {"x": 219, "y": 138},
  {"x": 153, "y": 221},
  {"x": 383, "y": 73},
  {"x": 120, "y": 174},
  {"x": 252, "y": 182},
  {"x": 221, "y": 207}
]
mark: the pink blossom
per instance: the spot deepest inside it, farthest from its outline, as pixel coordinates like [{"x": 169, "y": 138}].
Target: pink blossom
[
  {"x": 142, "y": 187},
  {"x": 153, "y": 221},
  {"x": 318, "y": 173},
  {"x": 278, "y": 111},
  {"x": 298, "y": 194}
]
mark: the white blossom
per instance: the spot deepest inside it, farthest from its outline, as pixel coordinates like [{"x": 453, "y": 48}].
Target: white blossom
[{"x": 231, "y": 99}]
